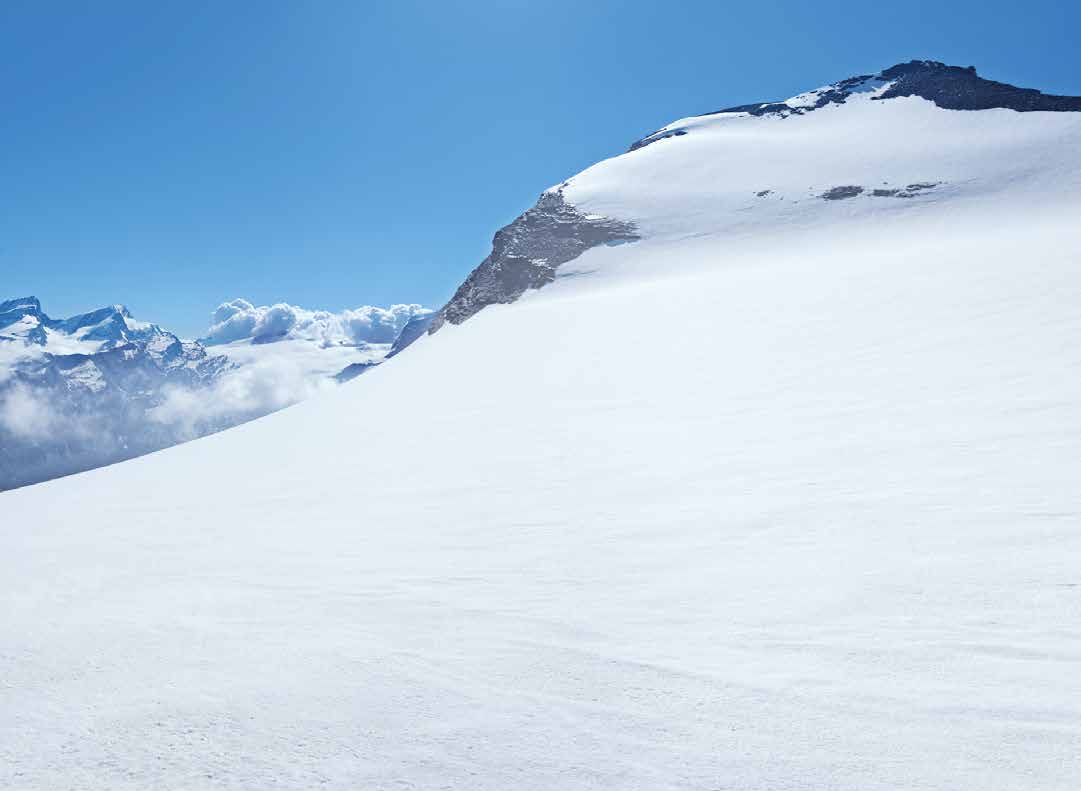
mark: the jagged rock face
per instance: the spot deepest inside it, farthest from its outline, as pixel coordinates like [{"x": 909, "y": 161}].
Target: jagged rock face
[
  {"x": 949, "y": 87},
  {"x": 527, "y": 253},
  {"x": 958, "y": 88}
]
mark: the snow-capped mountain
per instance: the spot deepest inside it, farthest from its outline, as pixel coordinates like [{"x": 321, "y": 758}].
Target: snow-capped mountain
[
  {"x": 100, "y": 387},
  {"x": 80, "y": 392},
  {"x": 767, "y": 479},
  {"x": 87, "y": 333},
  {"x": 741, "y": 170}
]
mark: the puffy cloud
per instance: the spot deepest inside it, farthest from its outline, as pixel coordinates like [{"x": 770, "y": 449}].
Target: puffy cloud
[
  {"x": 239, "y": 319},
  {"x": 233, "y": 320},
  {"x": 227, "y": 310},
  {"x": 277, "y": 320}
]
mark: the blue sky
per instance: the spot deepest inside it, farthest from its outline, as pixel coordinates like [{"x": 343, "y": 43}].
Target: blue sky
[{"x": 331, "y": 154}]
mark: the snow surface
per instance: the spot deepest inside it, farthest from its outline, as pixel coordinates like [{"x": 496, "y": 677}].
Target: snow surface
[{"x": 826, "y": 536}]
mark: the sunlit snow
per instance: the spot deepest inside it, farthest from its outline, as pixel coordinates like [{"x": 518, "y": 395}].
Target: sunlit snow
[{"x": 783, "y": 496}]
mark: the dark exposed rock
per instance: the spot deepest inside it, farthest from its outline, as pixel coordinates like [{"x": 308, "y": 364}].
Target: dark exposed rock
[
  {"x": 911, "y": 191},
  {"x": 527, "y": 253},
  {"x": 834, "y": 94},
  {"x": 960, "y": 88},
  {"x": 852, "y": 190},
  {"x": 840, "y": 193}
]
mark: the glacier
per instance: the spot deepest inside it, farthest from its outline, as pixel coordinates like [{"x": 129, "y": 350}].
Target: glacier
[{"x": 826, "y": 535}]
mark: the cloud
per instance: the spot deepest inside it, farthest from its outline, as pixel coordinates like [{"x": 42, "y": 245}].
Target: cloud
[
  {"x": 26, "y": 417},
  {"x": 233, "y": 320},
  {"x": 44, "y": 433},
  {"x": 241, "y": 394},
  {"x": 238, "y": 319},
  {"x": 41, "y": 440}
]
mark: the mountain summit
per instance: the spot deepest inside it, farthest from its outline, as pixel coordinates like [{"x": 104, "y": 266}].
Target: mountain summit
[
  {"x": 949, "y": 87},
  {"x": 573, "y": 217}
]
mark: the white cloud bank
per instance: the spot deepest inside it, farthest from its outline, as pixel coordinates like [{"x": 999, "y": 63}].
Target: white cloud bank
[
  {"x": 239, "y": 319},
  {"x": 242, "y": 394}
]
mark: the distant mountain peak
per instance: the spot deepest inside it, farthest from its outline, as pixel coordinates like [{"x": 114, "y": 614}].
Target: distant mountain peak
[
  {"x": 20, "y": 303},
  {"x": 14, "y": 310}
]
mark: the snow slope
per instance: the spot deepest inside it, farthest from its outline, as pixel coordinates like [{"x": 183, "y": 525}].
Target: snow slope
[{"x": 829, "y": 537}]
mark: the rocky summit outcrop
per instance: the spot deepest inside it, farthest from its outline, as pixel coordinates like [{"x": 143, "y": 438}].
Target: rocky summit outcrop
[
  {"x": 949, "y": 87},
  {"x": 961, "y": 88},
  {"x": 527, "y": 253}
]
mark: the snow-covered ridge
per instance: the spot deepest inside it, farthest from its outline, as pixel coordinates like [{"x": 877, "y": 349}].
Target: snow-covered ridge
[
  {"x": 881, "y": 139},
  {"x": 781, "y": 495},
  {"x": 23, "y": 320},
  {"x": 949, "y": 87}
]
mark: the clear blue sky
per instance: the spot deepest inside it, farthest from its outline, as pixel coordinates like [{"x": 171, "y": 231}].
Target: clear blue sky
[{"x": 170, "y": 155}]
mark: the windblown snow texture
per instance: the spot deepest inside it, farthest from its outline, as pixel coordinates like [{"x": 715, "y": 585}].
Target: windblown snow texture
[{"x": 781, "y": 496}]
